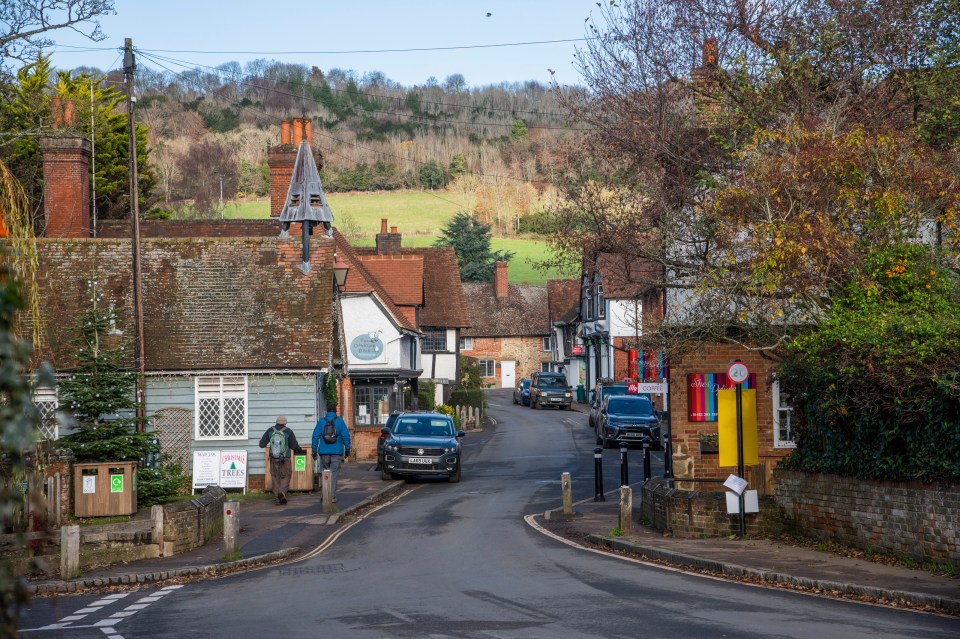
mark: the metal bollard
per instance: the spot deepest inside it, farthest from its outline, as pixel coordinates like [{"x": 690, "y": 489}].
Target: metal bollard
[
  {"x": 646, "y": 458},
  {"x": 667, "y": 457},
  {"x": 598, "y": 474},
  {"x": 231, "y": 527},
  {"x": 624, "y": 472}
]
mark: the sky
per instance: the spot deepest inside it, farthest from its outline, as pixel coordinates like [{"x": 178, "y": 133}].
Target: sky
[{"x": 321, "y": 32}]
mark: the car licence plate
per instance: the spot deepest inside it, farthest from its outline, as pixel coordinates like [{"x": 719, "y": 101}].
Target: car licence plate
[
  {"x": 633, "y": 434},
  {"x": 420, "y": 460}
]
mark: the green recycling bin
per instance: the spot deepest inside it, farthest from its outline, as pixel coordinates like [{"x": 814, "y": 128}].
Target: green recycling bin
[{"x": 581, "y": 394}]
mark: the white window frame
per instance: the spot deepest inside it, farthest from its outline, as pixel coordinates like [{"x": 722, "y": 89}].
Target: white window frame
[
  {"x": 545, "y": 367},
  {"x": 777, "y": 407},
  {"x": 547, "y": 348},
  {"x": 48, "y": 414},
  {"x": 466, "y": 343},
  {"x": 221, "y": 393},
  {"x": 434, "y": 335},
  {"x": 493, "y": 365},
  {"x": 601, "y": 302}
]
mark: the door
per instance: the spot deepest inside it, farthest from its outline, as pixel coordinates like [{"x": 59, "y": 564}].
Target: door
[{"x": 508, "y": 374}]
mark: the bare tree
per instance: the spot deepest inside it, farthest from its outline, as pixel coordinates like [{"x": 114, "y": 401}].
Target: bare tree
[{"x": 24, "y": 24}]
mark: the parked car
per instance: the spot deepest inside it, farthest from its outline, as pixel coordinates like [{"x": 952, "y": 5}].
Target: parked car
[
  {"x": 630, "y": 419},
  {"x": 384, "y": 436},
  {"x": 422, "y": 444},
  {"x": 521, "y": 394},
  {"x": 550, "y": 389},
  {"x": 599, "y": 393}
]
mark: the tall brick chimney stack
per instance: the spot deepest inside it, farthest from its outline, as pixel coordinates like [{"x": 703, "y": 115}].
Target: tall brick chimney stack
[
  {"x": 66, "y": 177},
  {"x": 500, "y": 282},
  {"x": 388, "y": 243},
  {"x": 706, "y": 86},
  {"x": 281, "y": 158}
]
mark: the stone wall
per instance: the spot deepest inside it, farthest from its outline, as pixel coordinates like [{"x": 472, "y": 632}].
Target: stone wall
[
  {"x": 907, "y": 519},
  {"x": 694, "y": 514}
]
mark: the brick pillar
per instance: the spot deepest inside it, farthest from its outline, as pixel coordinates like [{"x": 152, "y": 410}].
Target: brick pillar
[
  {"x": 280, "y": 159},
  {"x": 66, "y": 186},
  {"x": 500, "y": 282}
]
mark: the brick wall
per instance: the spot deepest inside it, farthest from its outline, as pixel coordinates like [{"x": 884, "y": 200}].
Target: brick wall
[
  {"x": 363, "y": 442},
  {"x": 191, "y": 228},
  {"x": 902, "y": 518},
  {"x": 191, "y": 524},
  {"x": 688, "y": 460},
  {"x": 526, "y": 351},
  {"x": 693, "y": 514}
]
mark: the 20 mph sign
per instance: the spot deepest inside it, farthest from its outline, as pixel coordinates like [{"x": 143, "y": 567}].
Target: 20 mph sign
[{"x": 738, "y": 372}]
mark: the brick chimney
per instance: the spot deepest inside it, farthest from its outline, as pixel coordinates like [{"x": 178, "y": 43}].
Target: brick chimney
[
  {"x": 500, "y": 282},
  {"x": 66, "y": 178},
  {"x": 705, "y": 85},
  {"x": 388, "y": 243},
  {"x": 281, "y": 158}
]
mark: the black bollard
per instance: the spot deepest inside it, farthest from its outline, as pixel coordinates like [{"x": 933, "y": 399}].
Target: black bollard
[
  {"x": 646, "y": 458},
  {"x": 624, "y": 473},
  {"x": 667, "y": 456},
  {"x": 598, "y": 474}
]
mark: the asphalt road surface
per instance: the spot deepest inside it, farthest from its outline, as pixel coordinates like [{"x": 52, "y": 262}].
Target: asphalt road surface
[{"x": 458, "y": 560}]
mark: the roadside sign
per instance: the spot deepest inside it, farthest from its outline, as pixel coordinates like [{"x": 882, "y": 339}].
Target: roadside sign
[
  {"x": 738, "y": 372},
  {"x": 576, "y": 350},
  {"x": 633, "y": 388},
  {"x": 647, "y": 388}
]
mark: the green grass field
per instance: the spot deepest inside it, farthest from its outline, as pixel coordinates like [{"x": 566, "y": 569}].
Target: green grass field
[{"x": 418, "y": 216}]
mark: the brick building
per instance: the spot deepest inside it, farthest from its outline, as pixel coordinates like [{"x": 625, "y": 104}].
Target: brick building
[{"x": 509, "y": 329}]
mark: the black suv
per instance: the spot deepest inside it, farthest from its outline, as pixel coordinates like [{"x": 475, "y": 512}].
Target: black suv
[
  {"x": 600, "y": 393},
  {"x": 630, "y": 419},
  {"x": 422, "y": 444},
  {"x": 550, "y": 389}
]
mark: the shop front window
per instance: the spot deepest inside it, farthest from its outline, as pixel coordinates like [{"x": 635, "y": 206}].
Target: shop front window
[{"x": 371, "y": 405}]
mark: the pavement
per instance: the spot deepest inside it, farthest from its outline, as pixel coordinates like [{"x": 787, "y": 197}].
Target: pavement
[{"x": 271, "y": 534}]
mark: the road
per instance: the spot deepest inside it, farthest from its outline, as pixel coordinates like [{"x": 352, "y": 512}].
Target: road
[{"x": 457, "y": 560}]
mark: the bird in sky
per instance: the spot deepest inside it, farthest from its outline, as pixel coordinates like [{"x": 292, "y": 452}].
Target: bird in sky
[{"x": 489, "y": 14}]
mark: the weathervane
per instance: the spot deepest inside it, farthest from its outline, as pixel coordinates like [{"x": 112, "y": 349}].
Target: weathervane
[{"x": 306, "y": 202}]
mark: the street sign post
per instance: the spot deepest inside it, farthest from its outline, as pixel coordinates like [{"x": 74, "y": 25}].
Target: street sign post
[{"x": 738, "y": 373}]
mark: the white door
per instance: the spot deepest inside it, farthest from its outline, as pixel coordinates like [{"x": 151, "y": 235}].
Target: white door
[{"x": 508, "y": 374}]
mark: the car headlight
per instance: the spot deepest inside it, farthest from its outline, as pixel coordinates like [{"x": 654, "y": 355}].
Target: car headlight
[
  {"x": 451, "y": 449},
  {"x": 568, "y": 394}
]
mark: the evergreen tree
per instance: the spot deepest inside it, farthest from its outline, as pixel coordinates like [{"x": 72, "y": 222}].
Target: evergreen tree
[
  {"x": 470, "y": 240},
  {"x": 101, "y": 396},
  {"x": 519, "y": 130}
]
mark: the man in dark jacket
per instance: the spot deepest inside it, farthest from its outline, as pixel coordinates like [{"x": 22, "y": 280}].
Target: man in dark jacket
[
  {"x": 280, "y": 440},
  {"x": 331, "y": 454}
]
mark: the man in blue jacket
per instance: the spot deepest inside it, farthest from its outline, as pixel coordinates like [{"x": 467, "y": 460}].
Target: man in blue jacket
[{"x": 331, "y": 443}]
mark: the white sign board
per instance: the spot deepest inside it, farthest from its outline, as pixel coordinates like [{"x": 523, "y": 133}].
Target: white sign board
[
  {"x": 751, "y": 503},
  {"x": 649, "y": 388},
  {"x": 206, "y": 468},
  {"x": 89, "y": 484},
  {"x": 233, "y": 469},
  {"x": 736, "y": 484}
]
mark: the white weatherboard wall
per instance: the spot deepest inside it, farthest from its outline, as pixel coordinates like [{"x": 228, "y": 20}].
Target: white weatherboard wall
[
  {"x": 445, "y": 366},
  {"x": 291, "y": 395},
  {"x": 362, "y": 315}
]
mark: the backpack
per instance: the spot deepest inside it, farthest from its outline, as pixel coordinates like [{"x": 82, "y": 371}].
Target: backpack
[
  {"x": 278, "y": 444},
  {"x": 330, "y": 432}
]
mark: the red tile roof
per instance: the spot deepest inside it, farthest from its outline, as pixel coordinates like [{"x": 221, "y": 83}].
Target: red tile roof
[
  {"x": 522, "y": 312},
  {"x": 400, "y": 275},
  {"x": 563, "y": 299}
]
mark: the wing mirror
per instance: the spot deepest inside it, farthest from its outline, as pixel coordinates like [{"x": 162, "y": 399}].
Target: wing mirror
[{"x": 461, "y": 433}]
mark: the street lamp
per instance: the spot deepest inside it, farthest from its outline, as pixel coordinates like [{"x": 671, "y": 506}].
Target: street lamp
[{"x": 340, "y": 269}]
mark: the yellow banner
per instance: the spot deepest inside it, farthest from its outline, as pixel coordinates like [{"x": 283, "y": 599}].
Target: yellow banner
[{"x": 727, "y": 426}]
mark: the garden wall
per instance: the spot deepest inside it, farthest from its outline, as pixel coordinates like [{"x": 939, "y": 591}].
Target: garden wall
[{"x": 912, "y": 520}]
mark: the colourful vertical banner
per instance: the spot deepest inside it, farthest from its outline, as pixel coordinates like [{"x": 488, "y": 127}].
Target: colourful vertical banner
[
  {"x": 633, "y": 361},
  {"x": 702, "y": 394},
  {"x": 652, "y": 365},
  {"x": 727, "y": 427}
]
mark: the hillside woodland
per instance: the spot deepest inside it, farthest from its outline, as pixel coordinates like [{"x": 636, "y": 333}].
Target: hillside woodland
[{"x": 491, "y": 146}]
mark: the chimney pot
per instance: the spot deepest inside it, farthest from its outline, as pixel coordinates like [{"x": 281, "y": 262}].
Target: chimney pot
[
  {"x": 709, "y": 51},
  {"x": 383, "y": 225},
  {"x": 308, "y": 130},
  {"x": 285, "y": 132},
  {"x": 297, "y": 131},
  {"x": 393, "y": 229},
  {"x": 63, "y": 112}
]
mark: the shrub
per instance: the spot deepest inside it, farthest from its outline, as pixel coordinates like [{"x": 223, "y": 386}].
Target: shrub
[
  {"x": 468, "y": 397},
  {"x": 160, "y": 484}
]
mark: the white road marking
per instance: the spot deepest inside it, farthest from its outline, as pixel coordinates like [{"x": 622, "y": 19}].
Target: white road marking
[
  {"x": 399, "y": 615},
  {"x": 88, "y": 610},
  {"x": 106, "y": 622},
  {"x": 123, "y": 614},
  {"x": 72, "y": 618},
  {"x": 138, "y": 606},
  {"x": 169, "y": 588}
]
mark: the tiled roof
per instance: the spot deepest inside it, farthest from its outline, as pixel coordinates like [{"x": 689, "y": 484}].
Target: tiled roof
[
  {"x": 563, "y": 299},
  {"x": 522, "y": 312},
  {"x": 400, "y": 275},
  {"x": 360, "y": 280},
  {"x": 444, "y": 305}
]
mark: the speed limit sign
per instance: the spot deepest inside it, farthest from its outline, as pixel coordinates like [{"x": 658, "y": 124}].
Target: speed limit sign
[{"x": 738, "y": 372}]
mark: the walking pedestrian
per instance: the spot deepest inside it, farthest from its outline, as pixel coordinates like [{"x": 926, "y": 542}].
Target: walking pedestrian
[
  {"x": 281, "y": 441},
  {"x": 331, "y": 443}
]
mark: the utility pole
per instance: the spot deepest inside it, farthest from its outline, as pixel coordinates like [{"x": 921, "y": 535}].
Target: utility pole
[
  {"x": 93, "y": 157},
  {"x": 129, "y": 65}
]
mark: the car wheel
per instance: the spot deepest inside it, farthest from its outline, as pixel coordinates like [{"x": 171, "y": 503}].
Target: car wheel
[
  {"x": 385, "y": 474},
  {"x": 515, "y": 401},
  {"x": 454, "y": 477}
]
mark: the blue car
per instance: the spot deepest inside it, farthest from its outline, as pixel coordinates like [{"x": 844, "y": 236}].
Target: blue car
[
  {"x": 630, "y": 419},
  {"x": 521, "y": 394}
]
